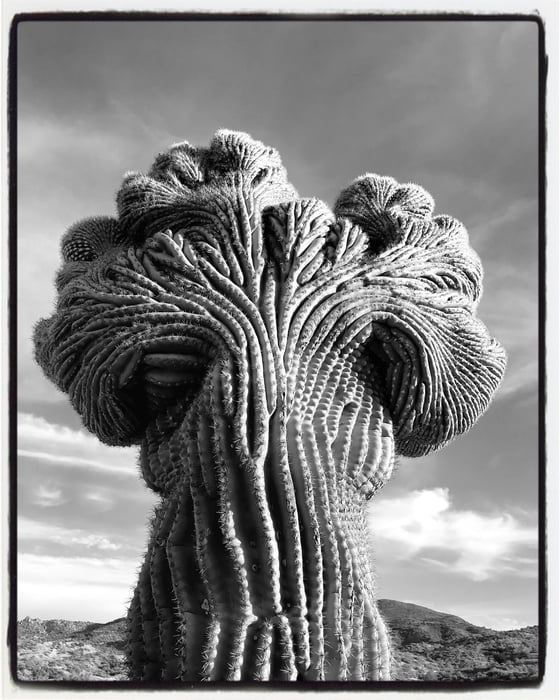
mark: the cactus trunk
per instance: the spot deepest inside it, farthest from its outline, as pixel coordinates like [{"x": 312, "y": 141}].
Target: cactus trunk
[{"x": 258, "y": 568}]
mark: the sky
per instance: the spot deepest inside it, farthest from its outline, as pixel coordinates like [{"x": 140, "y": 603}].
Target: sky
[{"x": 449, "y": 105}]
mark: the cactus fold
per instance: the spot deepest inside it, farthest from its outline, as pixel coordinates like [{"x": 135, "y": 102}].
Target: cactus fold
[{"x": 270, "y": 357}]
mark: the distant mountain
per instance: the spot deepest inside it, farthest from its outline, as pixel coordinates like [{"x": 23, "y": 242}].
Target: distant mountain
[
  {"x": 427, "y": 646},
  {"x": 32, "y": 628},
  {"x": 412, "y": 623},
  {"x": 71, "y": 650},
  {"x": 431, "y": 645}
]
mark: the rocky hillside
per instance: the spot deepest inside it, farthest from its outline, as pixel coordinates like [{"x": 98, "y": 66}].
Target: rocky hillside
[
  {"x": 70, "y": 651},
  {"x": 428, "y": 645}
]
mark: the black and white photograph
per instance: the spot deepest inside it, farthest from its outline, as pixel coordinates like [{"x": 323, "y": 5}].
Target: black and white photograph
[{"x": 277, "y": 380}]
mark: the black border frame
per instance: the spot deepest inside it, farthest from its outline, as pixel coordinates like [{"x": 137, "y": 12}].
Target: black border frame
[{"x": 162, "y": 16}]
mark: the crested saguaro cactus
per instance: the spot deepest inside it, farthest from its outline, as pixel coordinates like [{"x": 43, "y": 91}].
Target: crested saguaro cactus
[{"x": 270, "y": 357}]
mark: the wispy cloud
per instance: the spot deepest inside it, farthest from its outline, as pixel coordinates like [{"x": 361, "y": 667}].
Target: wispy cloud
[
  {"x": 66, "y": 480},
  {"x": 519, "y": 216},
  {"x": 504, "y": 615},
  {"x": 38, "y": 439},
  {"x": 480, "y": 546},
  {"x": 509, "y": 308},
  {"x": 496, "y": 620},
  {"x": 100, "y": 500},
  {"x": 30, "y": 530},
  {"x": 521, "y": 376},
  {"x": 50, "y": 137},
  {"x": 95, "y": 589},
  {"x": 74, "y": 461},
  {"x": 48, "y": 496}
]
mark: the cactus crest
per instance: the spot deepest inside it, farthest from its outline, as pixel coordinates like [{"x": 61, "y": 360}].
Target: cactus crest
[{"x": 270, "y": 357}]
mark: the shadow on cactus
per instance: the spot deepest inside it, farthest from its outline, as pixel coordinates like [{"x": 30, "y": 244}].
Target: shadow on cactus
[{"x": 270, "y": 357}]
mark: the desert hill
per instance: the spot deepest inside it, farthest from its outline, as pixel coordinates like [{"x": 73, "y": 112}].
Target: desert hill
[
  {"x": 427, "y": 645},
  {"x": 431, "y": 645}
]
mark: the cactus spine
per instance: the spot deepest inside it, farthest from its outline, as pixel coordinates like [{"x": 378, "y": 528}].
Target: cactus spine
[{"x": 270, "y": 356}]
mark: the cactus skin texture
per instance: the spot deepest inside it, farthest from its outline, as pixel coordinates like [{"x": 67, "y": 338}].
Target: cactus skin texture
[{"x": 270, "y": 357}]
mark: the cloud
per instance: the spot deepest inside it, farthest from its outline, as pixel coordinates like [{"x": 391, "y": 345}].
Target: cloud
[
  {"x": 102, "y": 501},
  {"x": 38, "y": 439},
  {"x": 521, "y": 377},
  {"x": 36, "y": 428},
  {"x": 48, "y": 496},
  {"x": 496, "y": 621},
  {"x": 30, "y": 530},
  {"x": 496, "y": 616},
  {"x": 68, "y": 479},
  {"x": 48, "y": 136},
  {"x": 493, "y": 237},
  {"x": 479, "y": 546},
  {"x": 509, "y": 308},
  {"x": 95, "y": 589},
  {"x": 73, "y": 461}
]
